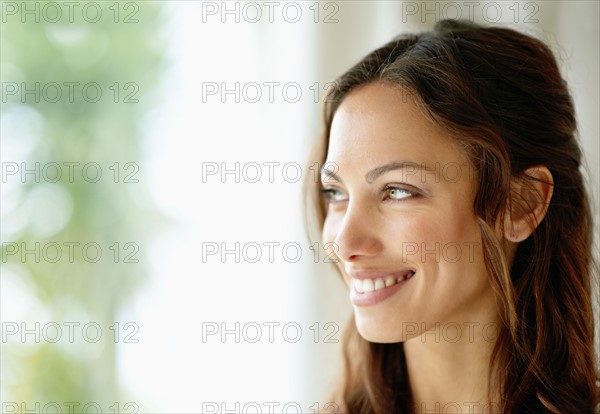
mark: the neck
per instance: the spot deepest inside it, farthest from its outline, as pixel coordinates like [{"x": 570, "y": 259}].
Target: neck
[{"x": 448, "y": 366}]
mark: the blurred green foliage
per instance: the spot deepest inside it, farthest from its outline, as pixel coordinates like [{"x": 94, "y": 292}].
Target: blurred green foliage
[{"x": 122, "y": 53}]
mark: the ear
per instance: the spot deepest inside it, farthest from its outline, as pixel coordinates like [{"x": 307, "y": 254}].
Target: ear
[{"x": 530, "y": 195}]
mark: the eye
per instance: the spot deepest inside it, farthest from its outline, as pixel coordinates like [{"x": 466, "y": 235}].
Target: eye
[
  {"x": 332, "y": 195},
  {"x": 394, "y": 193}
]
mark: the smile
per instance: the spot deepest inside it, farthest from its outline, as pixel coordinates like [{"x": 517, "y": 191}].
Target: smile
[{"x": 379, "y": 283}]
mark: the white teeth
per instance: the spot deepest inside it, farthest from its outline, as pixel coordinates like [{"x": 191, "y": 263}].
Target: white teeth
[
  {"x": 408, "y": 276},
  {"x": 369, "y": 285}
]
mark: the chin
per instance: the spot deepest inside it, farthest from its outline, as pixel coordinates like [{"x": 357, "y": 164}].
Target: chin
[{"x": 377, "y": 332}]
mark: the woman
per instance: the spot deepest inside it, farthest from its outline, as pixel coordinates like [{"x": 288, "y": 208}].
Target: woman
[{"x": 452, "y": 201}]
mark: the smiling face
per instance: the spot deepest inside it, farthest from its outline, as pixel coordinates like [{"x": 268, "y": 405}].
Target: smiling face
[{"x": 400, "y": 218}]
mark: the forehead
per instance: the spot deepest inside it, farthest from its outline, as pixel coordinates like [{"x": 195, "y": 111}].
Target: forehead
[{"x": 379, "y": 123}]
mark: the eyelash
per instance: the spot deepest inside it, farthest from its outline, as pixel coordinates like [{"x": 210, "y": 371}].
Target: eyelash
[{"x": 328, "y": 193}]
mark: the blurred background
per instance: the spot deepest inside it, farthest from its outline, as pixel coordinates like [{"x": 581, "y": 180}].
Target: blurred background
[{"x": 153, "y": 248}]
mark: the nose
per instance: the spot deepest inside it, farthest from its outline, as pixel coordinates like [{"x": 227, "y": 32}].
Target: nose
[{"x": 357, "y": 237}]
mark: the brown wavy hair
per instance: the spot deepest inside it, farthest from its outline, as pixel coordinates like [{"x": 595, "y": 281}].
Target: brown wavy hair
[{"x": 500, "y": 94}]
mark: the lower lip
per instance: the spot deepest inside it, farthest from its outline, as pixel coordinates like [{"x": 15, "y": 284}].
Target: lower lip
[{"x": 372, "y": 298}]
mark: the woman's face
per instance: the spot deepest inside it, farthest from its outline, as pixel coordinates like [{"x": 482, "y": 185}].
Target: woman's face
[{"x": 400, "y": 218}]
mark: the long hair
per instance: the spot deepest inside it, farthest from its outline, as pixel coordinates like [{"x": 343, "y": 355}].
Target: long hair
[{"x": 499, "y": 93}]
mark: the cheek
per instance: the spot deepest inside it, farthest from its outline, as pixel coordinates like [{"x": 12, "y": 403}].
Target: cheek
[
  {"x": 440, "y": 237},
  {"x": 407, "y": 232}
]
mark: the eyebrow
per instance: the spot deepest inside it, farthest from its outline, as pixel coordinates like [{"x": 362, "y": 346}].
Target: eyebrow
[{"x": 379, "y": 171}]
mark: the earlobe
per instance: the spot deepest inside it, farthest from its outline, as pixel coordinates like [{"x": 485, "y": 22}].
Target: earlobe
[{"x": 530, "y": 196}]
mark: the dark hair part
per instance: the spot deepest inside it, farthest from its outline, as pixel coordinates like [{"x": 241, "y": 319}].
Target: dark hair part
[{"x": 500, "y": 94}]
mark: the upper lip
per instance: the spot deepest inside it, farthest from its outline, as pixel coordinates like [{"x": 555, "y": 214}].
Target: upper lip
[{"x": 374, "y": 274}]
